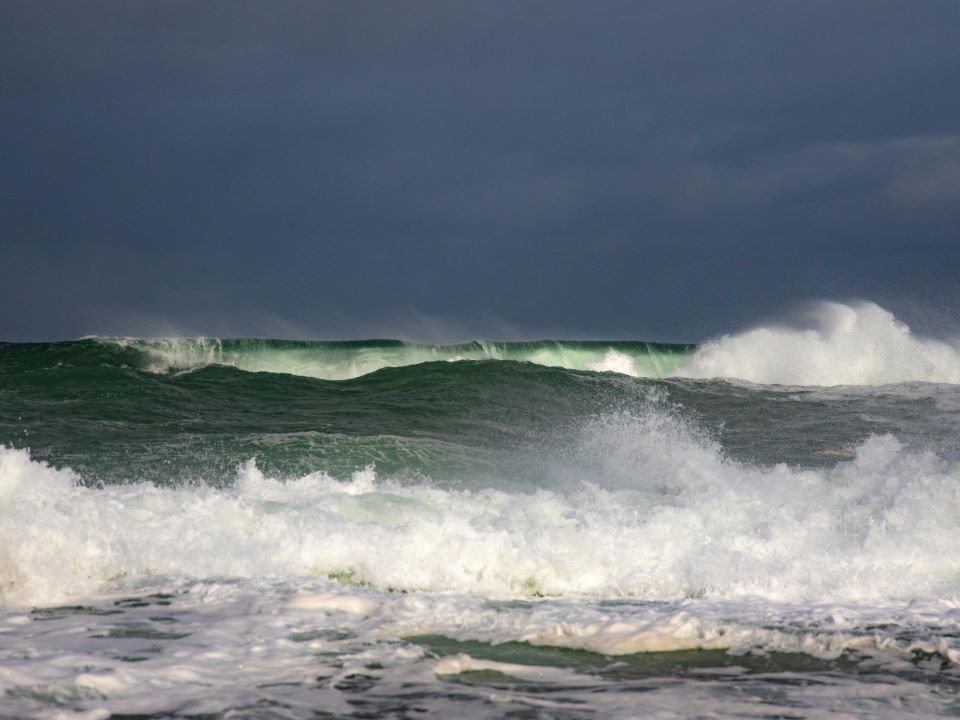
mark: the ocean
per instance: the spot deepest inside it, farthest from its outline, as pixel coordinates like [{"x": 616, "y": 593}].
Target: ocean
[{"x": 761, "y": 525}]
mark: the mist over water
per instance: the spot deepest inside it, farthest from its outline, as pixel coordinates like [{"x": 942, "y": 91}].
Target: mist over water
[{"x": 777, "y": 503}]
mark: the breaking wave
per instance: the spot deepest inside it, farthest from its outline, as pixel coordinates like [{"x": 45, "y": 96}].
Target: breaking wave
[
  {"x": 857, "y": 344},
  {"x": 840, "y": 344},
  {"x": 663, "y": 515}
]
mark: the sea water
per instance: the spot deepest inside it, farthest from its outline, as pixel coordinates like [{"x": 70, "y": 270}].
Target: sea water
[{"x": 762, "y": 525}]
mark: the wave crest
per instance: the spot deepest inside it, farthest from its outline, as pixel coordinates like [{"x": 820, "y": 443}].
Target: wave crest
[
  {"x": 849, "y": 344},
  {"x": 350, "y": 359},
  {"x": 663, "y": 515},
  {"x": 843, "y": 344}
]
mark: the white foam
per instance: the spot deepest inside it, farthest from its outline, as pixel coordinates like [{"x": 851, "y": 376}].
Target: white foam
[
  {"x": 848, "y": 344},
  {"x": 662, "y": 514},
  {"x": 840, "y": 344},
  {"x": 614, "y": 361},
  {"x": 234, "y": 644},
  {"x": 461, "y": 663},
  {"x": 352, "y": 604},
  {"x": 823, "y": 630}
]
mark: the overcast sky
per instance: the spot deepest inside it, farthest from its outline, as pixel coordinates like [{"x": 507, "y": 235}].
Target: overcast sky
[{"x": 442, "y": 170}]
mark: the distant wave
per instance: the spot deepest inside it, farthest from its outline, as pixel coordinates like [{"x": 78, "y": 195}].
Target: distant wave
[
  {"x": 346, "y": 360},
  {"x": 848, "y": 344},
  {"x": 844, "y": 344}
]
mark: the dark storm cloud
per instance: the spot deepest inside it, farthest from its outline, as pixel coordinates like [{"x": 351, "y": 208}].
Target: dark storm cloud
[{"x": 641, "y": 170}]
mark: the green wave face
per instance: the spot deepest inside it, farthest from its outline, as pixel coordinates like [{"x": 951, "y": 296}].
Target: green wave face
[
  {"x": 130, "y": 410},
  {"x": 345, "y": 360},
  {"x": 112, "y": 411},
  {"x": 169, "y": 410}
]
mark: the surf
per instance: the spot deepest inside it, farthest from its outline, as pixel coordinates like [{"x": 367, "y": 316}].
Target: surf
[
  {"x": 660, "y": 514},
  {"x": 829, "y": 344},
  {"x": 834, "y": 344}
]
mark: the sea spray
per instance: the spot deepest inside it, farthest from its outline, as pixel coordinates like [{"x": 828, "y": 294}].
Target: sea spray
[
  {"x": 835, "y": 344},
  {"x": 858, "y": 344},
  {"x": 218, "y": 528},
  {"x": 662, "y": 515}
]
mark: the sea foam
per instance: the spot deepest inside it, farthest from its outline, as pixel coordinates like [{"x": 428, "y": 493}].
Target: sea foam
[{"x": 662, "y": 515}]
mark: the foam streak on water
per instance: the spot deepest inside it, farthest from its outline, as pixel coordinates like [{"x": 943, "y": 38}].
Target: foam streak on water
[{"x": 254, "y": 649}]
